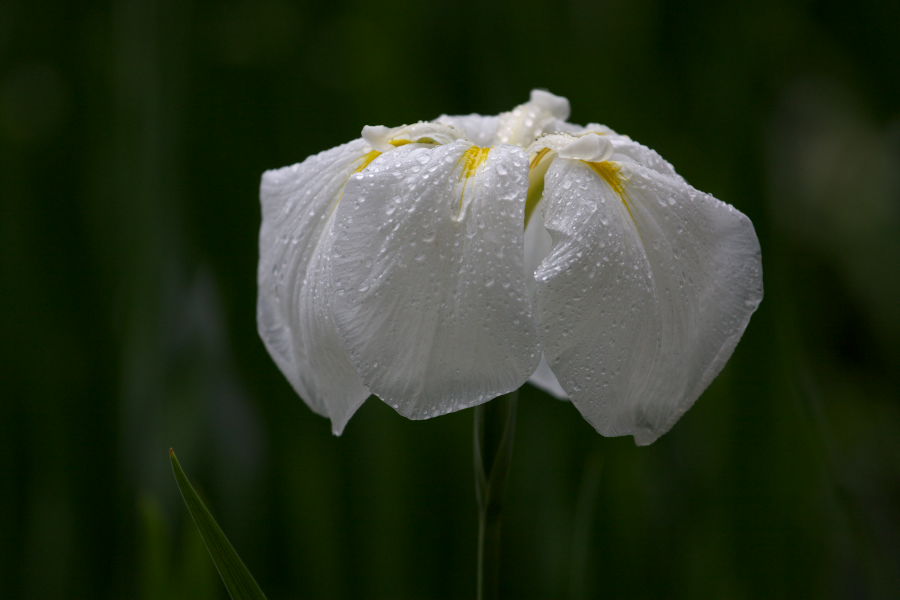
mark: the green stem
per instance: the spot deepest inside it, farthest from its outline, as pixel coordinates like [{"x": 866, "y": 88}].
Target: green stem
[{"x": 495, "y": 425}]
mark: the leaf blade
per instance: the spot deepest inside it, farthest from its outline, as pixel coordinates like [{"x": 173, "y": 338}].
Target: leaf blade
[{"x": 234, "y": 573}]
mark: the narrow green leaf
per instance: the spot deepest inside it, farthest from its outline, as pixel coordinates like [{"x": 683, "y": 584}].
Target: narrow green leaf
[{"x": 237, "y": 579}]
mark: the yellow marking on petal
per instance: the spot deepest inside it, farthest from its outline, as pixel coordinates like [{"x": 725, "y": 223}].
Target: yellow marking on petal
[
  {"x": 421, "y": 140},
  {"x": 367, "y": 160},
  {"x": 539, "y": 156},
  {"x": 473, "y": 159},
  {"x": 536, "y": 174},
  {"x": 611, "y": 173}
]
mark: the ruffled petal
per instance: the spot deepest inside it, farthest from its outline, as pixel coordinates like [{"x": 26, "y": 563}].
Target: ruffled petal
[
  {"x": 431, "y": 295},
  {"x": 385, "y": 139},
  {"x": 626, "y": 149},
  {"x": 544, "y": 112},
  {"x": 645, "y": 293},
  {"x": 482, "y": 130},
  {"x": 294, "y": 307}
]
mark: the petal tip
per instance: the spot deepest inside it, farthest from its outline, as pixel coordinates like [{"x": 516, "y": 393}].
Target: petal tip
[
  {"x": 553, "y": 104},
  {"x": 377, "y": 137}
]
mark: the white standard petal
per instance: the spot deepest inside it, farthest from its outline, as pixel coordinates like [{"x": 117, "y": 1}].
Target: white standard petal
[
  {"x": 431, "y": 296},
  {"x": 645, "y": 293},
  {"x": 482, "y": 130},
  {"x": 542, "y": 113},
  {"x": 294, "y": 314}
]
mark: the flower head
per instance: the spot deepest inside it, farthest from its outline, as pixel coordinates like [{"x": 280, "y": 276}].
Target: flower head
[{"x": 441, "y": 264}]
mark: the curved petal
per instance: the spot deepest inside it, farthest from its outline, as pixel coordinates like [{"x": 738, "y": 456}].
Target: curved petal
[
  {"x": 538, "y": 244},
  {"x": 431, "y": 297},
  {"x": 384, "y": 139},
  {"x": 648, "y": 287},
  {"x": 482, "y": 130},
  {"x": 542, "y": 113},
  {"x": 294, "y": 312},
  {"x": 560, "y": 126},
  {"x": 626, "y": 149}
]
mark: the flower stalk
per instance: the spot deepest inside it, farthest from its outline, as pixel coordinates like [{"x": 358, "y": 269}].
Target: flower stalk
[{"x": 494, "y": 430}]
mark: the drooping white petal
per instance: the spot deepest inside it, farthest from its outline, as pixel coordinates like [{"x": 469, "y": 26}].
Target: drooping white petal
[
  {"x": 431, "y": 296},
  {"x": 482, "y": 130},
  {"x": 538, "y": 244},
  {"x": 294, "y": 312},
  {"x": 648, "y": 287}
]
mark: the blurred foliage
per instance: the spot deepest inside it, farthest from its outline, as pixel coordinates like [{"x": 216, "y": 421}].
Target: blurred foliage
[{"x": 132, "y": 137}]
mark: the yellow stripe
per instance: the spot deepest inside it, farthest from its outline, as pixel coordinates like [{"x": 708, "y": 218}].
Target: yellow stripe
[
  {"x": 611, "y": 173},
  {"x": 473, "y": 159},
  {"x": 536, "y": 174},
  {"x": 539, "y": 156},
  {"x": 367, "y": 160},
  {"x": 421, "y": 140}
]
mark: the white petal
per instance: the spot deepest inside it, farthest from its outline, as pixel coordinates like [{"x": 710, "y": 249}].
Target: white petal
[
  {"x": 294, "y": 314},
  {"x": 550, "y": 104},
  {"x": 431, "y": 296},
  {"x": 544, "y": 378},
  {"x": 558, "y": 126},
  {"x": 582, "y": 146},
  {"x": 648, "y": 287},
  {"x": 384, "y": 139},
  {"x": 480, "y": 129},
  {"x": 626, "y": 149},
  {"x": 591, "y": 146},
  {"x": 542, "y": 113},
  {"x": 538, "y": 244}
]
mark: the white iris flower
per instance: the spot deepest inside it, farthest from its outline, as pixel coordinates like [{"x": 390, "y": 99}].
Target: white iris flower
[{"x": 441, "y": 264}]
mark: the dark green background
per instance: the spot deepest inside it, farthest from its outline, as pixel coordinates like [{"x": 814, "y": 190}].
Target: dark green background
[{"x": 132, "y": 138}]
